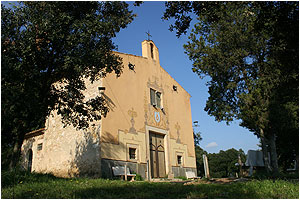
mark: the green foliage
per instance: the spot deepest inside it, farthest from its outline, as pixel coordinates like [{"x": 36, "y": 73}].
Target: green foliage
[
  {"x": 261, "y": 174},
  {"x": 286, "y": 97},
  {"x": 49, "y": 49},
  {"x": 197, "y": 138},
  {"x": 222, "y": 164},
  {"x": 45, "y": 186},
  {"x": 5, "y": 156},
  {"x": 199, "y": 153},
  {"x": 199, "y": 160},
  {"x": 138, "y": 177}
]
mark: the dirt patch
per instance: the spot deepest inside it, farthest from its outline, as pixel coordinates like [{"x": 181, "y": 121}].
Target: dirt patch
[
  {"x": 223, "y": 180},
  {"x": 218, "y": 181}
]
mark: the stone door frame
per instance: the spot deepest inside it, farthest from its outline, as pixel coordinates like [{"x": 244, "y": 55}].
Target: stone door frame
[{"x": 167, "y": 149}]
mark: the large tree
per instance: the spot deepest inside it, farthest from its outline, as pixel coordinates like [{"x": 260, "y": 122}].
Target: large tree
[
  {"x": 49, "y": 49},
  {"x": 246, "y": 49},
  {"x": 284, "y": 110}
]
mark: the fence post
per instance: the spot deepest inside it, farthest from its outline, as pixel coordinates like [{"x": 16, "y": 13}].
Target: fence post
[{"x": 206, "y": 169}]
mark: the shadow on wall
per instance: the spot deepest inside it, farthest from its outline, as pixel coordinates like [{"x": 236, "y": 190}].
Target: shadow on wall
[
  {"x": 112, "y": 159},
  {"x": 111, "y": 105},
  {"x": 116, "y": 148},
  {"x": 112, "y": 151},
  {"x": 86, "y": 160},
  {"x": 87, "y": 155}
]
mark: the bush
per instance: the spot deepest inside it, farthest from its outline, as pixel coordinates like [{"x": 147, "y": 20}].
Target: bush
[
  {"x": 263, "y": 174},
  {"x": 139, "y": 177}
]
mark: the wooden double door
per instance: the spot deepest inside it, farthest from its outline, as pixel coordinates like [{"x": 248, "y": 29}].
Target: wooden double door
[{"x": 157, "y": 155}]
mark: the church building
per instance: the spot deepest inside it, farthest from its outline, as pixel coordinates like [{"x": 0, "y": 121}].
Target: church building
[{"x": 148, "y": 128}]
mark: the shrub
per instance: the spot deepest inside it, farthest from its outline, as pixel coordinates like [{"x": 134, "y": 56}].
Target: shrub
[
  {"x": 139, "y": 177},
  {"x": 263, "y": 174}
]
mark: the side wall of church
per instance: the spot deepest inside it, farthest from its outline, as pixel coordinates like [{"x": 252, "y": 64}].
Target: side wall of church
[{"x": 66, "y": 152}]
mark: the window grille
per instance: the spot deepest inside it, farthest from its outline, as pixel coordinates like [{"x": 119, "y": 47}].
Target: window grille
[
  {"x": 179, "y": 160},
  {"x": 40, "y": 146},
  {"x": 132, "y": 153}
]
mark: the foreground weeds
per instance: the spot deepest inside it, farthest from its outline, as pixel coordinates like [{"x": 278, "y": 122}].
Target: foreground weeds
[{"x": 47, "y": 186}]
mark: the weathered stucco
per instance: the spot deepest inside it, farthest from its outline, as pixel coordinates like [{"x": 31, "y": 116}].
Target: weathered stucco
[{"x": 68, "y": 152}]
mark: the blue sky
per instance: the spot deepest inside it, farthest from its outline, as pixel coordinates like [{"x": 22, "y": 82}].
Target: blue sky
[{"x": 216, "y": 136}]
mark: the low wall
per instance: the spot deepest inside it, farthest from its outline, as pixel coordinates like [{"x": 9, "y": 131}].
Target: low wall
[
  {"x": 180, "y": 171},
  {"x": 107, "y": 164}
]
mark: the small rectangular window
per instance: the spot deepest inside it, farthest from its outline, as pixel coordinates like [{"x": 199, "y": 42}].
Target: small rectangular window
[
  {"x": 132, "y": 153},
  {"x": 179, "y": 160},
  {"x": 40, "y": 146}
]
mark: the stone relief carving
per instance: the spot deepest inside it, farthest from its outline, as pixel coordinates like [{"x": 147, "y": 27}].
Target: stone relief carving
[
  {"x": 132, "y": 114},
  {"x": 161, "y": 123},
  {"x": 154, "y": 84},
  {"x": 177, "y": 127},
  {"x": 143, "y": 129},
  {"x": 94, "y": 130},
  {"x": 145, "y": 108}
]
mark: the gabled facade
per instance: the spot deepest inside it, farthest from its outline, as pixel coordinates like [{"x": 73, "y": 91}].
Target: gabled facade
[{"x": 148, "y": 127}]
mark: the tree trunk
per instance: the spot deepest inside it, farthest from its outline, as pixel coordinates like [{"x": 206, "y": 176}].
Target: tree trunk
[
  {"x": 265, "y": 151},
  {"x": 297, "y": 163},
  {"x": 274, "y": 161},
  {"x": 240, "y": 167},
  {"x": 16, "y": 152}
]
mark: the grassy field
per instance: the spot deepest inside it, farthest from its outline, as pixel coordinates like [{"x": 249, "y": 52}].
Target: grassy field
[{"x": 48, "y": 186}]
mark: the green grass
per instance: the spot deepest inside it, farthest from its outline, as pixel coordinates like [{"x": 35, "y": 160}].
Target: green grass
[
  {"x": 48, "y": 186},
  {"x": 181, "y": 177}
]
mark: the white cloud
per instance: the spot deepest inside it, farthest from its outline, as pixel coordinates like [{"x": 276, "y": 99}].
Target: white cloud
[{"x": 212, "y": 144}]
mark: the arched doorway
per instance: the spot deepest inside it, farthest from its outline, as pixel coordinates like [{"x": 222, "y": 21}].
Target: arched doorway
[{"x": 29, "y": 167}]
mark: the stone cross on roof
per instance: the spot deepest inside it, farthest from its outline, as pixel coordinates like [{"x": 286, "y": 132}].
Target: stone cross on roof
[{"x": 148, "y": 33}]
